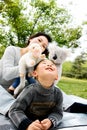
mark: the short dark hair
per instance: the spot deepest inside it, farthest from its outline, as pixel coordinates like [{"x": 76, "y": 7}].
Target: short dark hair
[{"x": 35, "y": 67}]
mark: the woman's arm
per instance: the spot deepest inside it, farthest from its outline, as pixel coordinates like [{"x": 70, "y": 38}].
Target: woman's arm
[{"x": 10, "y": 68}]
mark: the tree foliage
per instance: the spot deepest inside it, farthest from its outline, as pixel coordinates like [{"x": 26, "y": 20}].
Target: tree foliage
[
  {"x": 41, "y": 16},
  {"x": 77, "y": 70},
  {"x": 17, "y": 22}
]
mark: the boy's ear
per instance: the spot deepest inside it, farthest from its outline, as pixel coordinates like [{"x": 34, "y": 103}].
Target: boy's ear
[
  {"x": 34, "y": 74},
  {"x": 56, "y": 78}
]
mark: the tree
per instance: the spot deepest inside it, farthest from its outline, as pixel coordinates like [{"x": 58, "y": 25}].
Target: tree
[
  {"x": 77, "y": 66},
  {"x": 42, "y": 16},
  {"x": 18, "y": 24},
  {"x": 55, "y": 20}
]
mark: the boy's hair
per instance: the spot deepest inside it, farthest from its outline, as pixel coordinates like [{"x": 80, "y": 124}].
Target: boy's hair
[{"x": 35, "y": 67}]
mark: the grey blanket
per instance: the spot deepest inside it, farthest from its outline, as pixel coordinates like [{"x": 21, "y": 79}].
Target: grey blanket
[
  {"x": 6, "y": 124},
  {"x": 70, "y": 120}
]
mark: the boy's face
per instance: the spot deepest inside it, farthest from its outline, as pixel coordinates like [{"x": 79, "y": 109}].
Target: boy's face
[{"x": 46, "y": 70}]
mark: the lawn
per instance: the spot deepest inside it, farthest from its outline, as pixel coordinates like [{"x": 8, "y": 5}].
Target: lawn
[{"x": 74, "y": 86}]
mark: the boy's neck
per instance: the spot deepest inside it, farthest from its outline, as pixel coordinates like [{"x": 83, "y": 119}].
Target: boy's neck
[{"x": 46, "y": 84}]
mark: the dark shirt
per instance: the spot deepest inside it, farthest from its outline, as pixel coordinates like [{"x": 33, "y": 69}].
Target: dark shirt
[{"x": 37, "y": 102}]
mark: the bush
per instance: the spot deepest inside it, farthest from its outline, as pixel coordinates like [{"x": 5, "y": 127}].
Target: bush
[
  {"x": 68, "y": 74},
  {"x": 67, "y": 71},
  {"x": 67, "y": 66},
  {"x": 2, "y": 49}
]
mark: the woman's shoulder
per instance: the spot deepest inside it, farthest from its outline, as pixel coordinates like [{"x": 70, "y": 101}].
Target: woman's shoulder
[
  {"x": 12, "y": 50},
  {"x": 12, "y": 47}
]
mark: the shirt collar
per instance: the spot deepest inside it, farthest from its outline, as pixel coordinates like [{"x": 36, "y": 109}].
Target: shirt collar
[{"x": 43, "y": 90}]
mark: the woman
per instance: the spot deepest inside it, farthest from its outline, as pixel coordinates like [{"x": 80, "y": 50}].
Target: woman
[{"x": 9, "y": 69}]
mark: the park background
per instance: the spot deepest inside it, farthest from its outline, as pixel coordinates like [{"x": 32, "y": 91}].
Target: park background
[{"x": 64, "y": 20}]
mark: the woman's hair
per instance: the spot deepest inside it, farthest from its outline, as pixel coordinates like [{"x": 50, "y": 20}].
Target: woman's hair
[{"x": 41, "y": 34}]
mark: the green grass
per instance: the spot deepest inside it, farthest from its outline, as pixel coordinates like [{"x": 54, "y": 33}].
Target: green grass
[{"x": 74, "y": 86}]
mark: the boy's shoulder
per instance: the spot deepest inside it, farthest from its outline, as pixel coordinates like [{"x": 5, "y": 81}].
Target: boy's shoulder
[
  {"x": 29, "y": 89},
  {"x": 57, "y": 89},
  {"x": 58, "y": 94},
  {"x": 31, "y": 86}
]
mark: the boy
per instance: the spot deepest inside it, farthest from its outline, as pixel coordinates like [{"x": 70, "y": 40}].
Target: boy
[{"x": 39, "y": 106}]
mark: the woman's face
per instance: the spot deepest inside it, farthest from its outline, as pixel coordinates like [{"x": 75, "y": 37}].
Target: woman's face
[{"x": 41, "y": 40}]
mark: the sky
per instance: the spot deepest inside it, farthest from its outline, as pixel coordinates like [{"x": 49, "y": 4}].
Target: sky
[{"x": 78, "y": 9}]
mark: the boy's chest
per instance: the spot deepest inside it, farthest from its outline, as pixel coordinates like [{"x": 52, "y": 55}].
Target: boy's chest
[
  {"x": 42, "y": 104},
  {"x": 42, "y": 108}
]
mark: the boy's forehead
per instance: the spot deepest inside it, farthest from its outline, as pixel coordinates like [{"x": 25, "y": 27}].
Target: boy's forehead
[
  {"x": 43, "y": 61},
  {"x": 48, "y": 61}
]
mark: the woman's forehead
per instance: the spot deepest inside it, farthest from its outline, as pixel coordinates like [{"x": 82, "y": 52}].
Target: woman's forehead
[{"x": 44, "y": 39}]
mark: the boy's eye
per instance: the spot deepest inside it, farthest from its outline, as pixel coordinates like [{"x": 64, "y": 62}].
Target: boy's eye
[{"x": 52, "y": 64}]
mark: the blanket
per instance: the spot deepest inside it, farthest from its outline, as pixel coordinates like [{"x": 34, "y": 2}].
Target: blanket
[{"x": 69, "y": 120}]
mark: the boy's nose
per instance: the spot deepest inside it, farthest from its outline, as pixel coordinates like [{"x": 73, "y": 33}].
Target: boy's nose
[{"x": 49, "y": 65}]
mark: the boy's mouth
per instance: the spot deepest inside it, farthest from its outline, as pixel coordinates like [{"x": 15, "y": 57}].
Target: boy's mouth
[{"x": 50, "y": 69}]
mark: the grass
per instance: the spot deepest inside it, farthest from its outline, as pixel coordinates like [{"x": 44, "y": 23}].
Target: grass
[{"x": 74, "y": 86}]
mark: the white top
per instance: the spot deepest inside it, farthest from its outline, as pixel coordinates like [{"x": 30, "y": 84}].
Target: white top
[{"x": 9, "y": 68}]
